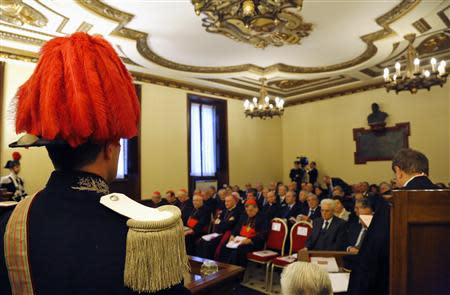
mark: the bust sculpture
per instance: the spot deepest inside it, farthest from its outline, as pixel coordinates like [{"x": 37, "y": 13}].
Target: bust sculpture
[{"x": 377, "y": 119}]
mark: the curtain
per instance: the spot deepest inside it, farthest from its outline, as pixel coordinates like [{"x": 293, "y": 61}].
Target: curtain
[
  {"x": 203, "y": 140},
  {"x": 196, "y": 158},
  {"x": 208, "y": 140}
]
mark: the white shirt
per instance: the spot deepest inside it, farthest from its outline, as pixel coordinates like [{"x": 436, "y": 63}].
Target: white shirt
[
  {"x": 409, "y": 180},
  {"x": 329, "y": 223}
]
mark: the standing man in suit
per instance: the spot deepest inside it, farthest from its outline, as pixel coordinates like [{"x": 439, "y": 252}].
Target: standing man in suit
[
  {"x": 411, "y": 170},
  {"x": 313, "y": 173},
  {"x": 357, "y": 231},
  {"x": 328, "y": 231}
]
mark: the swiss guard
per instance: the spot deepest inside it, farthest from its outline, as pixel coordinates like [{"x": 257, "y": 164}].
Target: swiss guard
[
  {"x": 73, "y": 236},
  {"x": 13, "y": 184}
]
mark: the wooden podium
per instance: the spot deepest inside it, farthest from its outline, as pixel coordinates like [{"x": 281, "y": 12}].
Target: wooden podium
[{"x": 420, "y": 242}]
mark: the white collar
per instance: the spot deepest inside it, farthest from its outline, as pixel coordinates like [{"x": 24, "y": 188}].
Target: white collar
[{"x": 409, "y": 180}]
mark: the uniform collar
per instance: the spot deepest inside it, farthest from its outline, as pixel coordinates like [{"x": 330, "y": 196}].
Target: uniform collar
[
  {"x": 77, "y": 181},
  {"x": 409, "y": 180}
]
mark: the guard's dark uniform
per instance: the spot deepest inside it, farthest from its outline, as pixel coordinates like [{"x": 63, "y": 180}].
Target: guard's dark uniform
[{"x": 75, "y": 244}]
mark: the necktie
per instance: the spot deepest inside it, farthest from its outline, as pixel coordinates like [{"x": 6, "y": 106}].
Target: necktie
[
  {"x": 311, "y": 212},
  {"x": 360, "y": 238},
  {"x": 326, "y": 225}
]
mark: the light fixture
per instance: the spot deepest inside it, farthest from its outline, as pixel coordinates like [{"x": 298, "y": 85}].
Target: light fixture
[
  {"x": 413, "y": 77},
  {"x": 257, "y": 22},
  {"x": 265, "y": 106}
]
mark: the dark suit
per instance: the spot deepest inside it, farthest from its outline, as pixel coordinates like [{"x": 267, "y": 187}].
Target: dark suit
[
  {"x": 239, "y": 256},
  {"x": 211, "y": 205},
  {"x": 260, "y": 199},
  {"x": 286, "y": 211},
  {"x": 226, "y": 222},
  {"x": 332, "y": 239},
  {"x": 76, "y": 245},
  {"x": 420, "y": 182},
  {"x": 186, "y": 210},
  {"x": 353, "y": 231},
  {"x": 202, "y": 219},
  {"x": 271, "y": 210},
  {"x": 316, "y": 214},
  {"x": 313, "y": 174}
]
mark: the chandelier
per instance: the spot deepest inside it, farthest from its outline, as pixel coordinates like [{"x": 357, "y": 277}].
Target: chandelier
[
  {"x": 265, "y": 106},
  {"x": 258, "y": 22},
  {"x": 414, "y": 77}
]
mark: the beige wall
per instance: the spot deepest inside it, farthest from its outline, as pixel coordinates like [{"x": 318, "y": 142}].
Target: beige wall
[
  {"x": 164, "y": 163},
  {"x": 323, "y": 131},
  {"x": 36, "y": 166}
]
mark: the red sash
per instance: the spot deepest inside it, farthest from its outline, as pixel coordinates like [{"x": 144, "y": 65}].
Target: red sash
[
  {"x": 192, "y": 222},
  {"x": 248, "y": 232}
]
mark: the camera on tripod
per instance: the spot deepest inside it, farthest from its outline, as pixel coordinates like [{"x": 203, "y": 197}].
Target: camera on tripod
[{"x": 303, "y": 161}]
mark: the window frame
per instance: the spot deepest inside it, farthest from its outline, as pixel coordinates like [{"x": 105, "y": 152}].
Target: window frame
[{"x": 222, "y": 170}]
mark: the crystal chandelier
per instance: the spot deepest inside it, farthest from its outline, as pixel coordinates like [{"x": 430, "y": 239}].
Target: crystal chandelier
[
  {"x": 414, "y": 77},
  {"x": 265, "y": 106},
  {"x": 257, "y": 22}
]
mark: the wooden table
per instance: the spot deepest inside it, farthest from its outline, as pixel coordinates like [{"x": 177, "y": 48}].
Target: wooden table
[{"x": 222, "y": 282}]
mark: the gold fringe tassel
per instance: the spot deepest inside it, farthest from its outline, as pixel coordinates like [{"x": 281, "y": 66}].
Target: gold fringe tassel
[{"x": 156, "y": 256}]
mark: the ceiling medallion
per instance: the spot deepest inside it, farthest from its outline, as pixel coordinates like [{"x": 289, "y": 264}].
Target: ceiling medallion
[
  {"x": 415, "y": 78},
  {"x": 264, "y": 107},
  {"x": 260, "y": 23},
  {"x": 18, "y": 13}
]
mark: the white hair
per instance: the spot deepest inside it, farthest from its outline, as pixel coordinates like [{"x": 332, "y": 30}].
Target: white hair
[
  {"x": 302, "y": 278},
  {"x": 329, "y": 202}
]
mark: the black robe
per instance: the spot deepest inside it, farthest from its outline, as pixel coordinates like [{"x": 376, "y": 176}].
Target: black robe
[{"x": 76, "y": 245}]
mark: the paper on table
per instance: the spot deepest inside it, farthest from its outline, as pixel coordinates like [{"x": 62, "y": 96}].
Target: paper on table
[
  {"x": 302, "y": 231},
  {"x": 125, "y": 206},
  {"x": 236, "y": 242},
  {"x": 290, "y": 258},
  {"x": 366, "y": 219},
  {"x": 339, "y": 281},
  {"x": 210, "y": 236},
  {"x": 327, "y": 263},
  {"x": 276, "y": 226},
  {"x": 265, "y": 253}
]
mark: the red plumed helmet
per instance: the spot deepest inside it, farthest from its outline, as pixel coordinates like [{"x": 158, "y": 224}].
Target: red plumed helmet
[
  {"x": 16, "y": 156},
  {"x": 79, "y": 91}
]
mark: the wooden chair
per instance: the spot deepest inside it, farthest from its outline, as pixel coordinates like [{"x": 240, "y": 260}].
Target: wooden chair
[
  {"x": 300, "y": 232},
  {"x": 276, "y": 241}
]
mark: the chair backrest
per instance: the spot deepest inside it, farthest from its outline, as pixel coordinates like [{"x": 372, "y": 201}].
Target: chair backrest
[
  {"x": 300, "y": 232},
  {"x": 277, "y": 236}
]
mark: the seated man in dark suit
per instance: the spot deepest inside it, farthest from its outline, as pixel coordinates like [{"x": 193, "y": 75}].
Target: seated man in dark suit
[
  {"x": 156, "y": 200},
  {"x": 411, "y": 170},
  {"x": 357, "y": 231},
  {"x": 185, "y": 206},
  {"x": 272, "y": 208},
  {"x": 223, "y": 225},
  {"x": 172, "y": 199},
  {"x": 197, "y": 223},
  {"x": 328, "y": 232},
  {"x": 290, "y": 209},
  {"x": 313, "y": 211}
]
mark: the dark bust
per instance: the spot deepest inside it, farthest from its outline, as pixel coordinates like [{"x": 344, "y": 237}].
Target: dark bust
[{"x": 377, "y": 117}]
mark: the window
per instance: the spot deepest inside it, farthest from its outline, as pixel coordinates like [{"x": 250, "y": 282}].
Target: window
[
  {"x": 207, "y": 141},
  {"x": 122, "y": 169},
  {"x": 203, "y": 140}
]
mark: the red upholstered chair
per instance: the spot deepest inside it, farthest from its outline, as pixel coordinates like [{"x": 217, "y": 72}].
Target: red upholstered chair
[
  {"x": 300, "y": 232},
  {"x": 276, "y": 240}
]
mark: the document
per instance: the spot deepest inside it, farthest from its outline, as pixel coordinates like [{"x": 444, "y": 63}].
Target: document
[
  {"x": 265, "y": 253},
  {"x": 289, "y": 259},
  {"x": 236, "y": 242},
  {"x": 339, "y": 281},
  {"x": 302, "y": 231},
  {"x": 276, "y": 226},
  {"x": 327, "y": 263},
  {"x": 210, "y": 236},
  {"x": 366, "y": 219}
]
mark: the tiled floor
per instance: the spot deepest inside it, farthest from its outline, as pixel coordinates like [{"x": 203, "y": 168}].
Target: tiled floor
[{"x": 255, "y": 281}]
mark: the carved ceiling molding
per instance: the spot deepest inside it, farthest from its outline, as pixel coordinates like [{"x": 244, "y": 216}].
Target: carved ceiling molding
[
  {"x": 141, "y": 39},
  {"x": 19, "y": 13},
  {"x": 287, "y": 84}
]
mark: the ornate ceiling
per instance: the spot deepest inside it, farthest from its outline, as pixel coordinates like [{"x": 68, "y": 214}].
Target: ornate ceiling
[{"x": 163, "y": 42}]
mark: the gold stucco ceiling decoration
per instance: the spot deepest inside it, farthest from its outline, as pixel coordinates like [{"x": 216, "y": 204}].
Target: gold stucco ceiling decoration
[
  {"x": 141, "y": 38},
  {"x": 18, "y": 13},
  {"x": 290, "y": 84}
]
